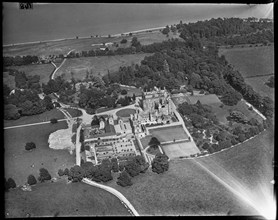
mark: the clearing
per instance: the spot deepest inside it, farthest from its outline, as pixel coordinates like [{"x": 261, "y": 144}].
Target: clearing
[
  {"x": 43, "y": 70},
  {"x": 51, "y": 200},
  {"x": 18, "y": 161},
  {"x": 98, "y": 65},
  {"x": 253, "y": 61},
  {"x": 187, "y": 189}
]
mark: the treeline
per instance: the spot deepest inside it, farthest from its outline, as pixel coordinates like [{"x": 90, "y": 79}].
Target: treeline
[
  {"x": 20, "y": 60},
  {"x": 228, "y": 31}
]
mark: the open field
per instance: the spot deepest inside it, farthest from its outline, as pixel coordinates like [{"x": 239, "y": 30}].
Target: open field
[
  {"x": 81, "y": 44},
  {"x": 175, "y": 150},
  {"x": 187, "y": 189},
  {"x": 43, "y": 70},
  {"x": 169, "y": 133},
  {"x": 252, "y": 61},
  {"x": 62, "y": 200},
  {"x": 98, "y": 65},
  {"x": 18, "y": 161},
  {"x": 45, "y": 116},
  {"x": 125, "y": 112}
]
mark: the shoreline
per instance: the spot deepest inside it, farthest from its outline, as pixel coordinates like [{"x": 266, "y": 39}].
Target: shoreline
[{"x": 106, "y": 36}]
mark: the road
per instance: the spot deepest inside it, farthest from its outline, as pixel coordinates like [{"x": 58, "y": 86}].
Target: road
[{"x": 114, "y": 192}]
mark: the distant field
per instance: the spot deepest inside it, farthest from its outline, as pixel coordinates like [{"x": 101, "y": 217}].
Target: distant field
[
  {"x": 169, "y": 133},
  {"x": 187, "y": 189},
  {"x": 251, "y": 61},
  {"x": 62, "y": 200},
  {"x": 43, "y": 70},
  {"x": 64, "y": 46},
  {"x": 18, "y": 161},
  {"x": 98, "y": 65},
  {"x": 46, "y": 116}
]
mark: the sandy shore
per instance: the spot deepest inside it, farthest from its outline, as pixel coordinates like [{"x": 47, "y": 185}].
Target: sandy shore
[{"x": 62, "y": 39}]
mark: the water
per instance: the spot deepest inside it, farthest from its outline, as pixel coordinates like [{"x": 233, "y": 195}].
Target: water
[
  {"x": 261, "y": 200},
  {"x": 55, "y": 21}
]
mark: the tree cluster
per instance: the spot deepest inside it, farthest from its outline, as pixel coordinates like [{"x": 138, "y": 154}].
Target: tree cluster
[
  {"x": 160, "y": 163},
  {"x": 20, "y": 60}
]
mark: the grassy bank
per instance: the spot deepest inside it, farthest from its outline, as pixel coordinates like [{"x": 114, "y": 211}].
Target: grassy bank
[
  {"x": 18, "y": 161},
  {"x": 187, "y": 189},
  {"x": 62, "y": 200}
]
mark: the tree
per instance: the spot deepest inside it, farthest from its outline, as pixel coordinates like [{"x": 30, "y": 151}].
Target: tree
[
  {"x": 66, "y": 172},
  {"x": 31, "y": 180},
  {"x": 241, "y": 137},
  {"x": 60, "y": 172},
  {"x": 160, "y": 163},
  {"x": 44, "y": 175},
  {"x": 30, "y": 146},
  {"x": 48, "y": 102},
  {"x": 135, "y": 42},
  {"x": 11, "y": 184},
  {"x": 115, "y": 166},
  {"x": 154, "y": 142},
  {"x": 205, "y": 146},
  {"x": 132, "y": 168},
  {"x": 123, "y": 92},
  {"x": 124, "y": 179},
  {"x": 53, "y": 120},
  {"x": 123, "y": 41},
  {"x": 76, "y": 173},
  {"x": 11, "y": 112}
]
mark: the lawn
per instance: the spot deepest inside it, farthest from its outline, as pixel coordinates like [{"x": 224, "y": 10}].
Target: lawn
[
  {"x": 251, "y": 61},
  {"x": 62, "y": 200},
  {"x": 169, "y": 133},
  {"x": 43, "y": 70},
  {"x": 187, "y": 189},
  {"x": 175, "y": 150},
  {"x": 125, "y": 112},
  {"x": 45, "y": 116},
  {"x": 18, "y": 161},
  {"x": 98, "y": 65},
  {"x": 73, "y": 112},
  {"x": 131, "y": 91}
]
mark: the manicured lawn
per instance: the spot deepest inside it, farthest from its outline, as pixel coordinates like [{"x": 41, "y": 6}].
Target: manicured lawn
[
  {"x": 18, "y": 161},
  {"x": 176, "y": 150},
  {"x": 98, "y": 65},
  {"x": 125, "y": 112},
  {"x": 62, "y": 200},
  {"x": 74, "y": 112},
  {"x": 187, "y": 189},
  {"x": 43, "y": 70},
  {"x": 169, "y": 133},
  {"x": 46, "y": 116}
]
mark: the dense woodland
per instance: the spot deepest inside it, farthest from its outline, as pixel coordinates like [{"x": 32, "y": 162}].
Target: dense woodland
[{"x": 193, "y": 62}]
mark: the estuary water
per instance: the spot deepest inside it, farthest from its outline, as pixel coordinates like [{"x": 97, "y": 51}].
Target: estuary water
[{"x": 66, "y": 20}]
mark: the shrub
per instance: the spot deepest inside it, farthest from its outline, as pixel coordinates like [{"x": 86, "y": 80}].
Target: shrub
[
  {"x": 53, "y": 120},
  {"x": 202, "y": 92},
  {"x": 250, "y": 108},
  {"x": 44, "y": 175},
  {"x": 61, "y": 172},
  {"x": 30, "y": 146},
  {"x": 123, "y": 92},
  {"x": 31, "y": 180},
  {"x": 124, "y": 179}
]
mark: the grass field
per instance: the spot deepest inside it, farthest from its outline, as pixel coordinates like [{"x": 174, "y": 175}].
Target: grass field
[
  {"x": 45, "y": 116},
  {"x": 98, "y": 65},
  {"x": 64, "y": 46},
  {"x": 43, "y": 70},
  {"x": 62, "y": 200},
  {"x": 169, "y": 133},
  {"x": 187, "y": 189},
  {"x": 125, "y": 112},
  {"x": 251, "y": 61},
  {"x": 73, "y": 112},
  {"x": 18, "y": 161}
]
